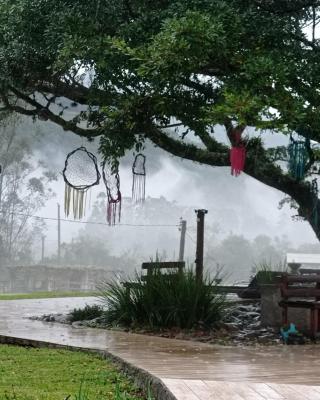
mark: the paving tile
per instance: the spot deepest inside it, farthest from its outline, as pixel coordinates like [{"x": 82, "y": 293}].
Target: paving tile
[
  {"x": 295, "y": 392},
  {"x": 180, "y": 389},
  {"x": 222, "y": 391},
  {"x": 244, "y": 390},
  {"x": 265, "y": 390},
  {"x": 200, "y": 389},
  {"x": 213, "y": 390}
]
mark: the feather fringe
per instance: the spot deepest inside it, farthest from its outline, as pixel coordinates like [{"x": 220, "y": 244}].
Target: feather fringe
[
  {"x": 139, "y": 188},
  {"x": 75, "y": 199}
]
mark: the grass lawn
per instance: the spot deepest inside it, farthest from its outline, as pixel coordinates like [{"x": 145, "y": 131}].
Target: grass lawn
[
  {"x": 47, "y": 374},
  {"x": 44, "y": 295}
]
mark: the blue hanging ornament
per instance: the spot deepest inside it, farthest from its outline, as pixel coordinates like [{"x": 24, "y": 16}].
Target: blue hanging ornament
[{"x": 298, "y": 151}]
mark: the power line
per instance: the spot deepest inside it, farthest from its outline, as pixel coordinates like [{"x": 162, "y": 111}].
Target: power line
[
  {"x": 86, "y": 222},
  {"x": 190, "y": 237}
]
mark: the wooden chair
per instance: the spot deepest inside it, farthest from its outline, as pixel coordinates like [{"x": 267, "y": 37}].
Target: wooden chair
[{"x": 301, "y": 291}]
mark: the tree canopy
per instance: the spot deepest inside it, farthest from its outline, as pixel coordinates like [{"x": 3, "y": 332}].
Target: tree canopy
[{"x": 167, "y": 71}]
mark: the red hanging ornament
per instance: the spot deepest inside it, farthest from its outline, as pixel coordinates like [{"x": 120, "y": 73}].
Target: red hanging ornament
[
  {"x": 237, "y": 154},
  {"x": 114, "y": 208},
  {"x": 237, "y": 160}
]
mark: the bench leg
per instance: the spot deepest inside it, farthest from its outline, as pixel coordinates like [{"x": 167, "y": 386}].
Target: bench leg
[
  {"x": 285, "y": 316},
  {"x": 314, "y": 322}
]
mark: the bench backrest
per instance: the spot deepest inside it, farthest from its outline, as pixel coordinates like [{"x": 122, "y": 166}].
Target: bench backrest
[
  {"x": 175, "y": 266},
  {"x": 309, "y": 271},
  {"x": 306, "y": 286}
]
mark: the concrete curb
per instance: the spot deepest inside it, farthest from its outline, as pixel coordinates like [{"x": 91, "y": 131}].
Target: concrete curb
[{"x": 142, "y": 378}]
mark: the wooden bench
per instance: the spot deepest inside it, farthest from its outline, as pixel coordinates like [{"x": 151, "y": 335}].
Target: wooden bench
[
  {"x": 304, "y": 271},
  {"x": 150, "y": 267},
  {"x": 177, "y": 267},
  {"x": 301, "y": 291}
]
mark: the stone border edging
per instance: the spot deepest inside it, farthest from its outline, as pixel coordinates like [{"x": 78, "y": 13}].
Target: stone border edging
[{"x": 142, "y": 378}]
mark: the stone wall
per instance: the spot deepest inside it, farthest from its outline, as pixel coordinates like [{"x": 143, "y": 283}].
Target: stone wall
[{"x": 24, "y": 279}]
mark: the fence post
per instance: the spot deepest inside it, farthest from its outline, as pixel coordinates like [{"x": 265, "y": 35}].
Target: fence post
[{"x": 200, "y": 243}]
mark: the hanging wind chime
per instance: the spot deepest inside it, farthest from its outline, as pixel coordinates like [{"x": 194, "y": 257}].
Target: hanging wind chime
[
  {"x": 111, "y": 180},
  {"x": 237, "y": 154},
  {"x": 298, "y": 151},
  {"x": 80, "y": 173},
  {"x": 139, "y": 178}
]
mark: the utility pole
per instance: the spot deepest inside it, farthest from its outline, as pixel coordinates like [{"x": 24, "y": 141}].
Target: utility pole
[
  {"x": 183, "y": 230},
  {"x": 200, "y": 243},
  {"x": 59, "y": 236},
  {"x": 42, "y": 248}
]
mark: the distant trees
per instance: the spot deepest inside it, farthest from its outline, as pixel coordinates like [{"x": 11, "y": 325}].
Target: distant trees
[
  {"x": 126, "y": 246},
  {"x": 23, "y": 191},
  {"x": 136, "y": 234},
  {"x": 237, "y": 257},
  {"x": 86, "y": 250},
  {"x": 234, "y": 255}
]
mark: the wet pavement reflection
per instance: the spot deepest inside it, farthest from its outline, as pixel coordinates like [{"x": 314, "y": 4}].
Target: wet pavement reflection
[{"x": 165, "y": 358}]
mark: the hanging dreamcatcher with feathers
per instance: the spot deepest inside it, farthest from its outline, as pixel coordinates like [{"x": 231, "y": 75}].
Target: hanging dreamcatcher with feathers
[
  {"x": 139, "y": 178},
  {"x": 111, "y": 178},
  {"x": 80, "y": 174}
]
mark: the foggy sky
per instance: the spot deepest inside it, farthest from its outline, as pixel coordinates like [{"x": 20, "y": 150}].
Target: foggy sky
[{"x": 236, "y": 205}]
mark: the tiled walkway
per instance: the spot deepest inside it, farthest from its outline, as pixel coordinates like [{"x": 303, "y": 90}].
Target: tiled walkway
[
  {"x": 204, "y": 390},
  {"x": 190, "y": 370}
]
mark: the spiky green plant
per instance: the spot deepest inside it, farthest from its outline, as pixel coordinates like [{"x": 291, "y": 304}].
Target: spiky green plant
[
  {"x": 266, "y": 272},
  {"x": 87, "y": 313},
  {"x": 163, "y": 301}
]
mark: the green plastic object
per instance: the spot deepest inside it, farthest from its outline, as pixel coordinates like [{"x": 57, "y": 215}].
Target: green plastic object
[{"x": 290, "y": 335}]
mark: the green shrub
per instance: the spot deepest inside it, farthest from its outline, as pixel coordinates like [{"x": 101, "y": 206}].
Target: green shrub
[
  {"x": 86, "y": 313},
  {"x": 266, "y": 272},
  {"x": 164, "y": 301}
]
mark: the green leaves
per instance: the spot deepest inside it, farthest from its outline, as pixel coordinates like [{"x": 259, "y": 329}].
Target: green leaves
[
  {"x": 184, "y": 45},
  {"x": 164, "y": 301},
  {"x": 136, "y": 62}
]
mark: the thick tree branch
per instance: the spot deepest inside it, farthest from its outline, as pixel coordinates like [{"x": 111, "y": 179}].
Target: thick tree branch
[
  {"x": 201, "y": 131},
  {"x": 257, "y": 166},
  {"x": 312, "y": 44},
  {"x": 300, "y": 191},
  {"x": 184, "y": 150},
  {"x": 15, "y": 108},
  {"x": 77, "y": 93},
  {"x": 45, "y": 113},
  {"x": 204, "y": 88}
]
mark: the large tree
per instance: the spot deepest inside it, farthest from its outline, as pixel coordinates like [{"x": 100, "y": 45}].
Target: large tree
[
  {"x": 23, "y": 191},
  {"x": 170, "y": 71}
]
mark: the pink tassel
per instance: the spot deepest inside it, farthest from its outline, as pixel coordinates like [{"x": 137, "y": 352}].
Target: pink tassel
[
  {"x": 237, "y": 159},
  {"x": 114, "y": 208}
]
